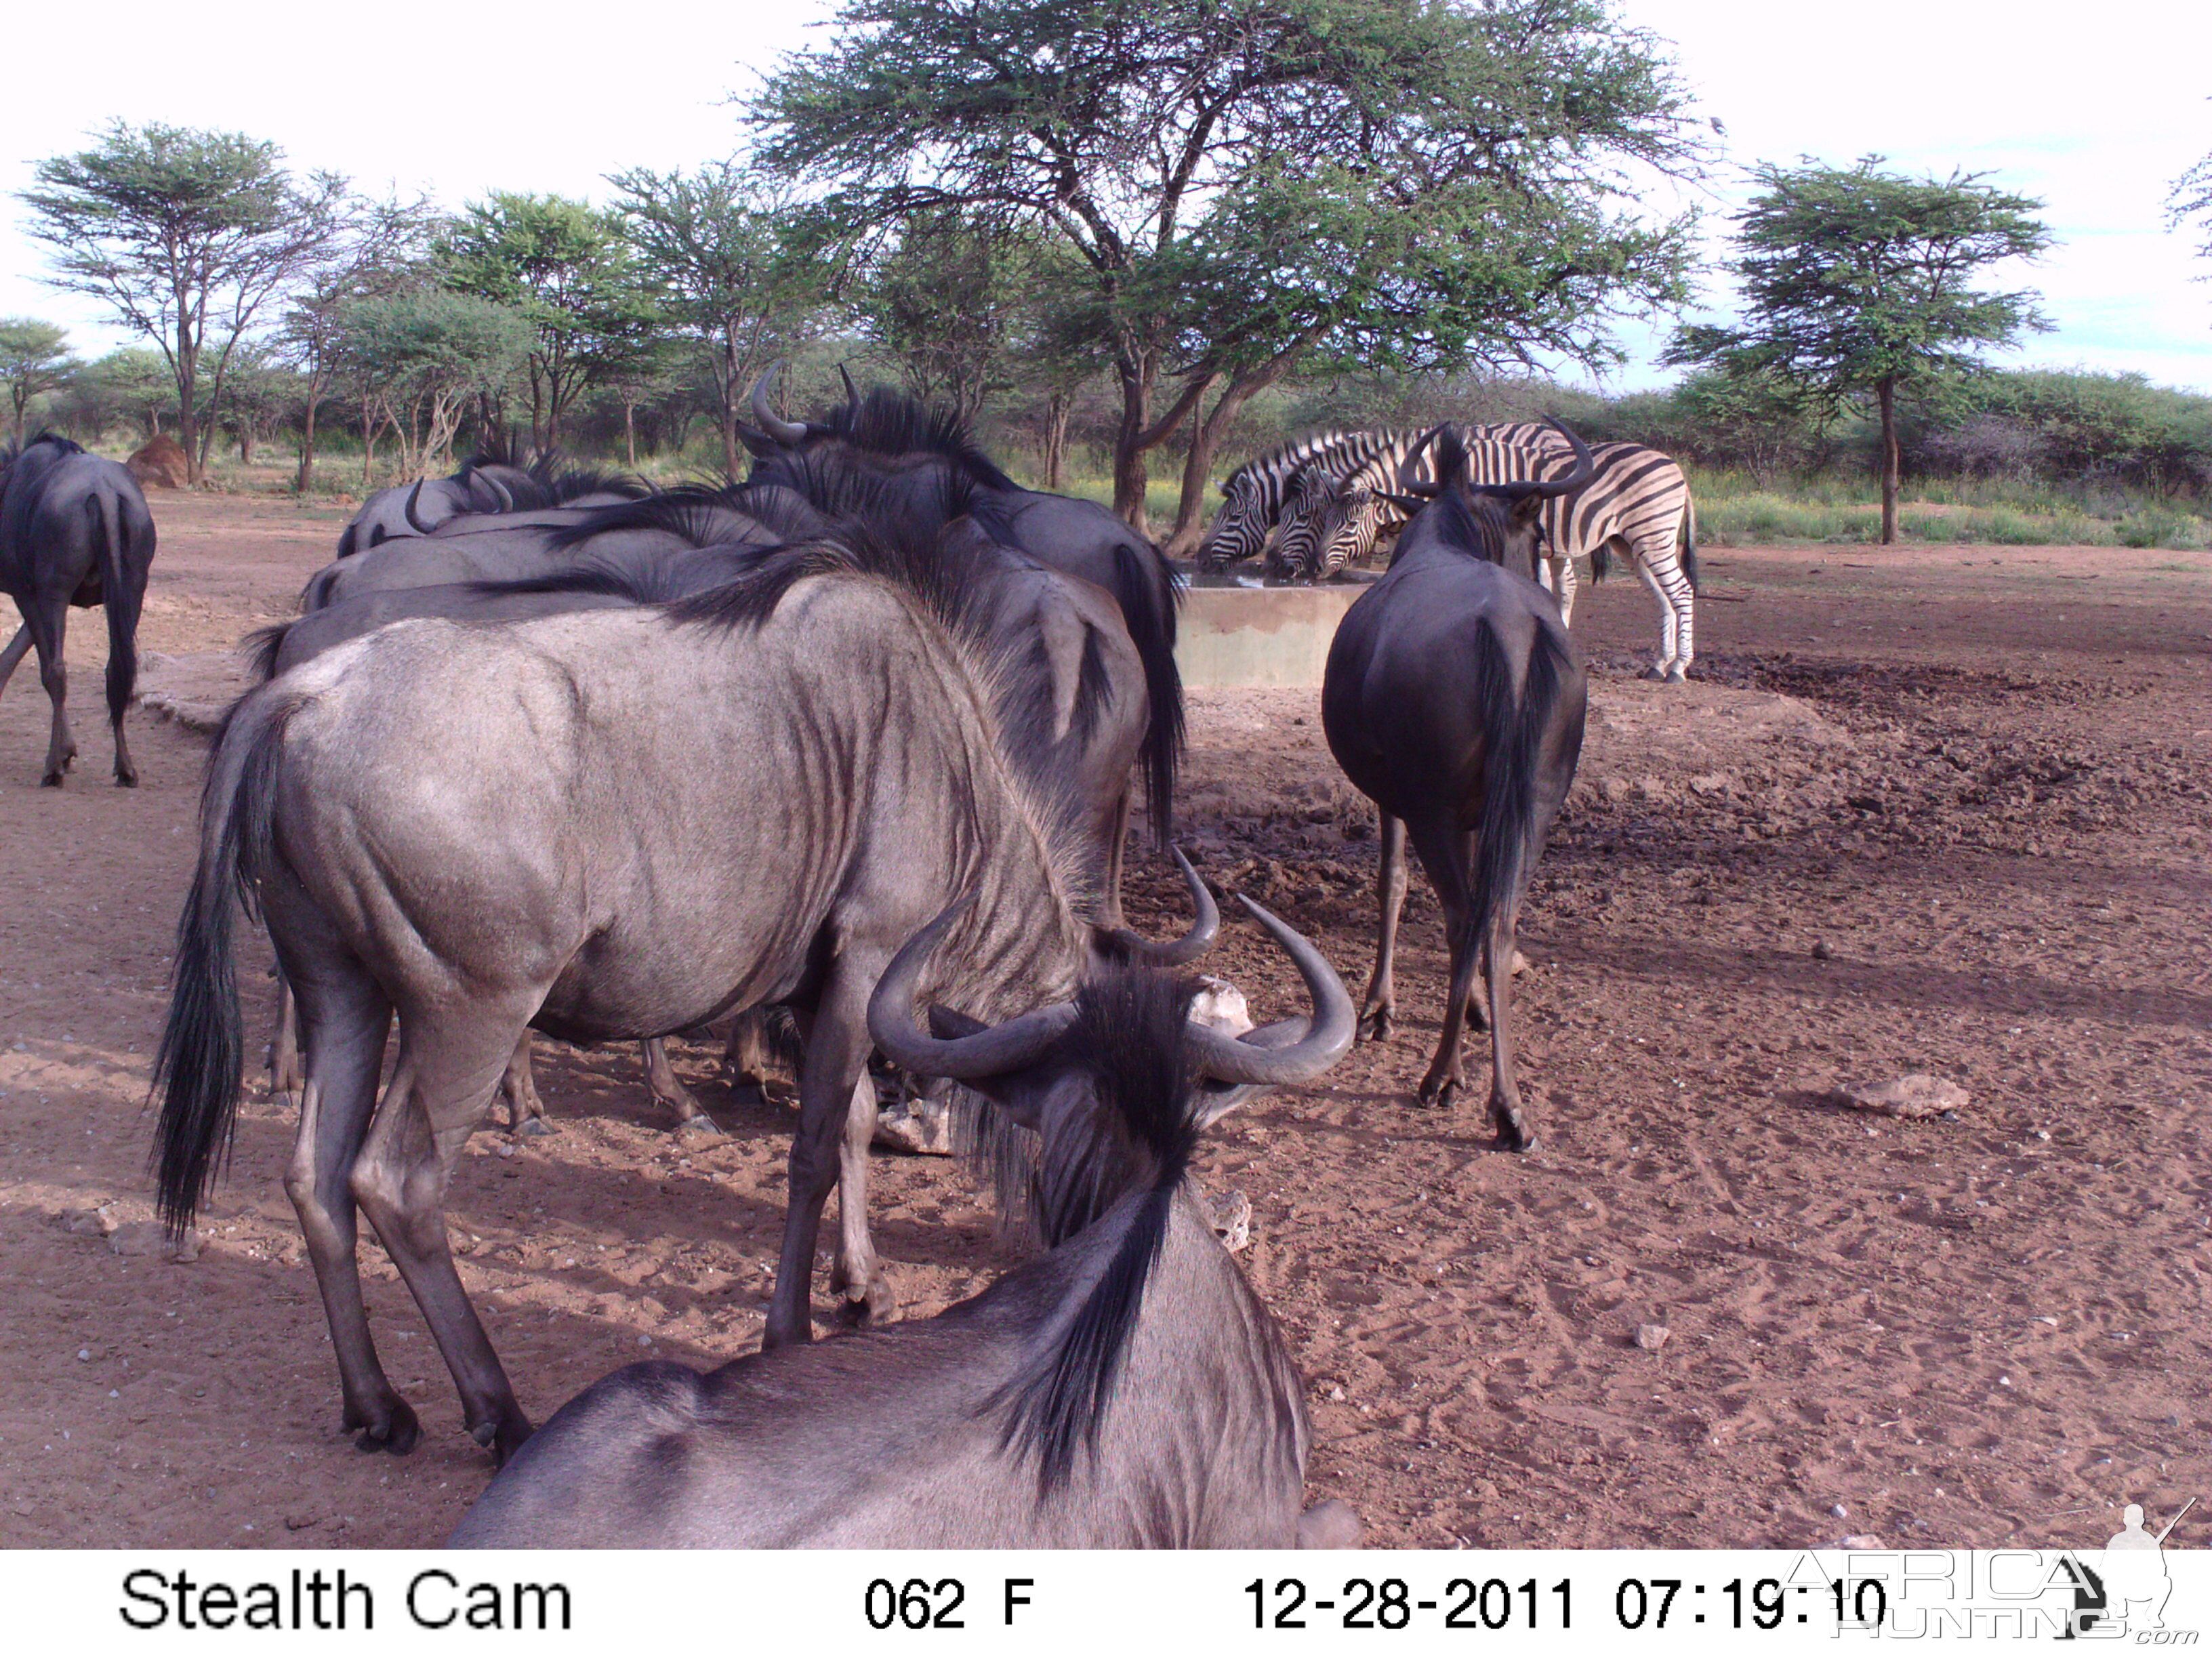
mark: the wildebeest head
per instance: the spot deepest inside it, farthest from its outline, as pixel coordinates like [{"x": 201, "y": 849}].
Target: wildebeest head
[
  {"x": 1055, "y": 1069},
  {"x": 1499, "y": 522}
]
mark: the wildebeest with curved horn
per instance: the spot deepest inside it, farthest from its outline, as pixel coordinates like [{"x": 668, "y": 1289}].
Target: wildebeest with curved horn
[
  {"x": 74, "y": 530},
  {"x": 1455, "y": 700},
  {"x": 906, "y": 444},
  {"x": 485, "y": 485},
  {"x": 608, "y": 825},
  {"x": 1125, "y": 1390}
]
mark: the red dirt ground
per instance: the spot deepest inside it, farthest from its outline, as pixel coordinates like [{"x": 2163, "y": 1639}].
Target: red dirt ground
[{"x": 1925, "y": 810}]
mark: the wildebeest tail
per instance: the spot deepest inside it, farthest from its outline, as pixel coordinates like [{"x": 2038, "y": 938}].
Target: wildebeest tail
[
  {"x": 198, "y": 1066},
  {"x": 109, "y": 526},
  {"x": 1513, "y": 742},
  {"x": 263, "y": 648},
  {"x": 1148, "y": 597}
]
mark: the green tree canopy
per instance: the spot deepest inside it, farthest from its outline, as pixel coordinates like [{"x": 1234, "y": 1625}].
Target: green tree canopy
[
  {"x": 186, "y": 234},
  {"x": 34, "y": 357},
  {"x": 1859, "y": 283},
  {"x": 566, "y": 267},
  {"x": 1247, "y": 181},
  {"x": 421, "y": 353}
]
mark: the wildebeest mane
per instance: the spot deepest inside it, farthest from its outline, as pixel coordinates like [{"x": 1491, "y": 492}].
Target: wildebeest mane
[
  {"x": 891, "y": 424},
  {"x": 13, "y": 452},
  {"x": 1129, "y": 1037},
  {"x": 698, "y": 513}
]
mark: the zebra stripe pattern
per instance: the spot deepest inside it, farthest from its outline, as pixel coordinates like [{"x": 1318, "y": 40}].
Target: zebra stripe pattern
[
  {"x": 1248, "y": 522},
  {"x": 1639, "y": 504}
]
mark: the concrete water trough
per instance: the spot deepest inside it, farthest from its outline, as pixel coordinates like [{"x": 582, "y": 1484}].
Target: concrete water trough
[{"x": 1234, "y": 637}]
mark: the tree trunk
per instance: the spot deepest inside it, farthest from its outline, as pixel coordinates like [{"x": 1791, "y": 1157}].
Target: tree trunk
[
  {"x": 1130, "y": 475},
  {"x": 1205, "y": 438},
  {"x": 629, "y": 431},
  {"x": 1886, "y": 390},
  {"x": 188, "y": 430},
  {"x": 1055, "y": 437},
  {"x": 304, "y": 479}
]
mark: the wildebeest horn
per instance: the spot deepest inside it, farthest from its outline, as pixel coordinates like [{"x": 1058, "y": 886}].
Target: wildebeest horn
[
  {"x": 499, "y": 492},
  {"x": 1410, "y": 482},
  {"x": 987, "y": 1053},
  {"x": 852, "y": 392},
  {"x": 413, "y": 518},
  {"x": 1300, "y": 1049},
  {"x": 783, "y": 431},
  {"x": 1585, "y": 470},
  {"x": 1191, "y": 946}
]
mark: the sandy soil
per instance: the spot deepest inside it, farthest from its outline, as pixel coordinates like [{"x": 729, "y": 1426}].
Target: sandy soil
[{"x": 1941, "y": 811}]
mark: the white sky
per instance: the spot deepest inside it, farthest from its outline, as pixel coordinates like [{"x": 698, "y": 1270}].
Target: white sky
[{"x": 2094, "y": 109}]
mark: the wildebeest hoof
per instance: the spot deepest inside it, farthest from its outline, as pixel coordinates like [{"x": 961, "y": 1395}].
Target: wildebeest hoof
[
  {"x": 1513, "y": 1134},
  {"x": 877, "y": 1307},
  {"x": 126, "y": 780},
  {"x": 700, "y": 1127},
  {"x": 1439, "y": 1092},
  {"x": 532, "y": 1125},
  {"x": 397, "y": 1434},
  {"x": 1375, "y": 1025},
  {"x": 52, "y": 781},
  {"x": 502, "y": 1437}
]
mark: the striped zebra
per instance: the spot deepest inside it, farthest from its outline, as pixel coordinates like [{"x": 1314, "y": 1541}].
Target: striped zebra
[
  {"x": 1250, "y": 521},
  {"x": 1638, "y": 505}
]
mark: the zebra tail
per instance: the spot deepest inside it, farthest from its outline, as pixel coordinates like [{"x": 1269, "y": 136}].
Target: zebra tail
[
  {"x": 1514, "y": 729},
  {"x": 198, "y": 1068},
  {"x": 1690, "y": 543}
]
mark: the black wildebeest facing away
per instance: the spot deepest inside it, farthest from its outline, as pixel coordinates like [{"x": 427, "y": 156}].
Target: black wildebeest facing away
[
  {"x": 484, "y": 485},
  {"x": 1455, "y": 700},
  {"x": 74, "y": 530},
  {"x": 608, "y": 824},
  {"x": 1125, "y": 1390}
]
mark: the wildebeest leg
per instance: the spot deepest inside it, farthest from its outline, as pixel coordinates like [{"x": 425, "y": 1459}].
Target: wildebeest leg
[
  {"x": 668, "y": 1089},
  {"x": 747, "y": 1054},
  {"x": 1376, "y": 1013},
  {"x": 48, "y": 633},
  {"x": 1505, "y": 1113},
  {"x": 13, "y": 654},
  {"x": 1117, "y": 840},
  {"x": 1448, "y": 856},
  {"x": 873, "y": 1300},
  {"x": 284, "y": 1076},
  {"x": 344, "y": 1017},
  {"x": 518, "y": 1087},
  {"x": 836, "y": 1060},
  {"x": 441, "y": 1090}
]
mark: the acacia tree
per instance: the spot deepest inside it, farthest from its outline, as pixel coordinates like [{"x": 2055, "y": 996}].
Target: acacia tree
[
  {"x": 1859, "y": 284},
  {"x": 741, "y": 267},
  {"x": 186, "y": 234},
  {"x": 420, "y": 357},
  {"x": 379, "y": 248},
  {"x": 1246, "y": 181},
  {"x": 34, "y": 357},
  {"x": 567, "y": 268}
]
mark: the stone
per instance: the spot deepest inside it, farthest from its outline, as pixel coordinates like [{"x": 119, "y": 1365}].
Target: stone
[
  {"x": 1221, "y": 1005},
  {"x": 1919, "y": 1095},
  {"x": 917, "y": 1125},
  {"x": 1652, "y": 1338},
  {"x": 1230, "y": 1218},
  {"x": 85, "y": 1224}
]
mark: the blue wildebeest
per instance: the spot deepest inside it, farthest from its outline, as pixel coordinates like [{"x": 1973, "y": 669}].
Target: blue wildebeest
[
  {"x": 74, "y": 530},
  {"x": 605, "y": 825},
  {"x": 484, "y": 485},
  {"x": 1455, "y": 700},
  {"x": 909, "y": 451},
  {"x": 1125, "y": 1390}
]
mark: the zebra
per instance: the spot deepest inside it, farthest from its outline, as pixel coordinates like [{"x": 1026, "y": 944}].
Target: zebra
[
  {"x": 1639, "y": 503},
  {"x": 1248, "y": 524}
]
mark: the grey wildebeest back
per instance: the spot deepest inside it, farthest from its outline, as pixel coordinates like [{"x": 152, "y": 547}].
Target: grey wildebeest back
[
  {"x": 485, "y": 484},
  {"x": 1126, "y": 1389},
  {"x": 74, "y": 530},
  {"x": 1455, "y": 700},
  {"x": 606, "y": 824}
]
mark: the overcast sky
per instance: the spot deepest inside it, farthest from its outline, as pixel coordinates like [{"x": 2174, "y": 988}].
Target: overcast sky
[{"x": 2095, "y": 119}]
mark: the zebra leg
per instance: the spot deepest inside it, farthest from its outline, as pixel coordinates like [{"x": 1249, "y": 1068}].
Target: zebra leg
[
  {"x": 1662, "y": 573},
  {"x": 1561, "y": 568}
]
